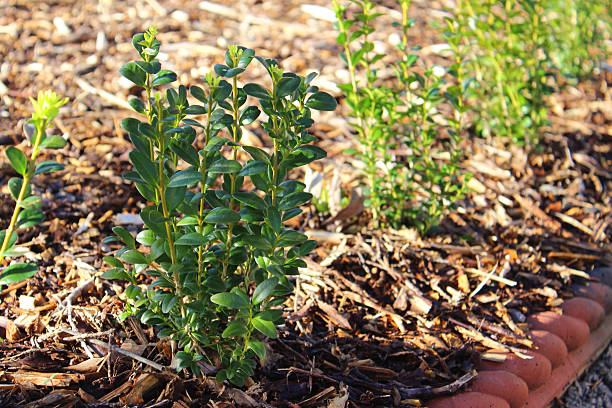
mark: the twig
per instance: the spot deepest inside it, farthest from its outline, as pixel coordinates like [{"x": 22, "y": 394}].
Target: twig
[
  {"x": 492, "y": 277},
  {"x": 483, "y": 282},
  {"x": 88, "y": 335},
  {"x": 135, "y": 356},
  {"x": 109, "y": 97},
  {"x": 73, "y": 326}
]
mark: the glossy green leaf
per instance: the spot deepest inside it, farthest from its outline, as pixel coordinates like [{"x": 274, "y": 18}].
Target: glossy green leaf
[
  {"x": 31, "y": 202},
  {"x": 265, "y": 327},
  {"x": 17, "y": 159},
  {"x": 249, "y": 115},
  {"x": 286, "y": 86},
  {"x": 133, "y": 256},
  {"x": 53, "y": 142},
  {"x": 48, "y": 167},
  {"x": 125, "y": 236},
  {"x": 253, "y": 167},
  {"x": 17, "y": 273},
  {"x": 257, "y": 347},
  {"x": 322, "y": 101},
  {"x": 250, "y": 199},
  {"x": 234, "y": 329},
  {"x": 225, "y": 166},
  {"x": 14, "y": 185},
  {"x": 264, "y": 289},
  {"x": 30, "y": 217},
  {"x": 229, "y": 300},
  {"x": 222, "y": 215},
  {"x": 191, "y": 239},
  {"x": 257, "y": 91},
  {"x": 134, "y": 73},
  {"x": 164, "y": 76},
  {"x": 185, "y": 177},
  {"x": 144, "y": 166}
]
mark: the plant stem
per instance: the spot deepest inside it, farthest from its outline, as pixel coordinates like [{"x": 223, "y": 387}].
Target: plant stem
[{"x": 27, "y": 177}]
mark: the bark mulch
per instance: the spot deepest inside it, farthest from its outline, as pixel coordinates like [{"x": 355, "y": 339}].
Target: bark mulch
[{"x": 379, "y": 317}]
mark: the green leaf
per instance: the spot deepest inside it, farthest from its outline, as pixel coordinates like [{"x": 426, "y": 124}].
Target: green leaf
[
  {"x": 245, "y": 58},
  {"x": 266, "y": 327},
  {"x": 250, "y": 199},
  {"x": 257, "y": 91},
  {"x": 12, "y": 239},
  {"x": 191, "y": 239},
  {"x": 225, "y": 166},
  {"x": 198, "y": 93},
  {"x": 257, "y": 242},
  {"x": 114, "y": 262},
  {"x": 18, "y": 273},
  {"x": 234, "y": 329},
  {"x": 134, "y": 73},
  {"x": 185, "y": 177},
  {"x": 29, "y": 217},
  {"x": 257, "y": 154},
  {"x": 125, "y": 236},
  {"x": 169, "y": 303},
  {"x": 14, "y": 185},
  {"x": 264, "y": 289},
  {"x": 253, "y": 167},
  {"x": 116, "y": 273},
  {"x": 133, "y": 256},
  {"x": 164, "y": 76},
  {"x": 189, "y": 220},
  {"x": 322, "y": 101},
  {"x": 257, "y": 347},
  {"x": 53, "y": 142},
  {"x": 294, "y": 200},
  {"x": 229, "y": 300},
  {"x": 31, "y": 202},
  {"x": 151, "y": 67},
  {"x": 290, "y": 238},
  {"x": 271, "y": 315},
  {"x": 286, "y": 86},
  {"x": 48, "y": 167},
  {"x": 185, "y": 151},
  {"x": 249, "y": 115},
  {"x": 145, "y": 237},
  {"x": 137, "y": 105},
  {"x": 144, "y": 166},
  {"x": 221, "y": 215},
  {"x": 17, "y": 159},
  {"x": 273, "y": 219}
]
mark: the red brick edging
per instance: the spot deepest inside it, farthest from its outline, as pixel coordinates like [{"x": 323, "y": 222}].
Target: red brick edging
[{"x": 585, "y": 329}]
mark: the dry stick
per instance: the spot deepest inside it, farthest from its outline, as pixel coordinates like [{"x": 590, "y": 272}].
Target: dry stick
[
  {"x": 119, "y": 350},
  {"x": 484, "y": 281},
  {"x": 109, "y": 97},
  {"x": 88, "y": 335},
  {"x": 448, "y": 388},
  {"x": 475, "y": 335},
  {"x": 73, "y": 326}
]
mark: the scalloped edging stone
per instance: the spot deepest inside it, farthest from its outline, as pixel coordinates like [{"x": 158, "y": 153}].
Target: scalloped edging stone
[{"x": 583, "y": 328}]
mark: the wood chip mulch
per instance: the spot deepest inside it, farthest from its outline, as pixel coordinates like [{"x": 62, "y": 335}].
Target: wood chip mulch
[{"x": 379, "y": 317}]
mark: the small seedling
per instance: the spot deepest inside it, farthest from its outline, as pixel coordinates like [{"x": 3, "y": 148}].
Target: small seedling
[{"x": 26, "y": 212}]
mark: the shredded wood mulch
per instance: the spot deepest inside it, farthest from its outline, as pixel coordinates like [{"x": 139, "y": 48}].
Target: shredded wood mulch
[{"x": 379, "y": 318}]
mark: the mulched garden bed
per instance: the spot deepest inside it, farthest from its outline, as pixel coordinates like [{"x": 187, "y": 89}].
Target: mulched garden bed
[{"x": 379, "y": 317}]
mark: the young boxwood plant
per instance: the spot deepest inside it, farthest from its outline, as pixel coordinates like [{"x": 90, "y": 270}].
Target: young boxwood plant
[
  {"x": 397, "y": 115},
  {"x": 26, "y": 212},
  {"x": 215, "y": 245}
]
